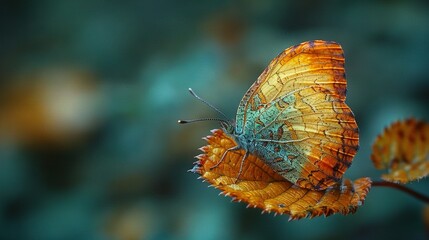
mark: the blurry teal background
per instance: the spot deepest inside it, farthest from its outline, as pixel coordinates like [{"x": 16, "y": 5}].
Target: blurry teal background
[{"x": 91, "y": 91}]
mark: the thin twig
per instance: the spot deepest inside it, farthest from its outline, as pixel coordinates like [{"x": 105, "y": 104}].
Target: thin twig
[{"x": 400, "y": 187}]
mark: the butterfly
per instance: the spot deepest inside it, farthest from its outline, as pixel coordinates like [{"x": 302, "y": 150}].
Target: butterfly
[{"x": 294, "y": 117}]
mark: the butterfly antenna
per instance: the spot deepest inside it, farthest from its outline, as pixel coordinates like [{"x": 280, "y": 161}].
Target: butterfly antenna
[
  {"x": 202, "y": 119},
  {"x": 208, "y": 104}
]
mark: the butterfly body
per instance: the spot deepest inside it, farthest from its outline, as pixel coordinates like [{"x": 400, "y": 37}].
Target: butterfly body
[{"x": 294, "y": 116}]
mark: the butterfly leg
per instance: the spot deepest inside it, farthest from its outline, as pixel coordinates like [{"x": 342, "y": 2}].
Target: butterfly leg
[
  {"x": 241, "y": 166},
  {"x": 223, "y": 156}
]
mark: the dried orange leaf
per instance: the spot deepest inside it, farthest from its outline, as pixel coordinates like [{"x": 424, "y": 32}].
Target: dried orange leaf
[
  {"x": 403, "y": 149},
  {"x": 260, "y": 186}
]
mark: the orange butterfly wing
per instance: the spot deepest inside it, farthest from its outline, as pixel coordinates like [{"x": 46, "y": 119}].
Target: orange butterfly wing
[{"x": 306, "y": 85}]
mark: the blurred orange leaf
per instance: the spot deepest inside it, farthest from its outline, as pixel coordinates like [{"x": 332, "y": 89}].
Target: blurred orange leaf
[
  {"x": 426, "y": 217},
  {"x": 403, "y": 149},
  {"x": 261, "y": 187}
]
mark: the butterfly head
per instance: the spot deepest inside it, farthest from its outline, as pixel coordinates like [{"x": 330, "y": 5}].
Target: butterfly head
[{"x": 228, "y": 127}]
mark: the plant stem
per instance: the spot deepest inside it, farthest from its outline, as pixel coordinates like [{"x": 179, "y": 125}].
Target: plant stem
[{"x": 400, "y": 187}]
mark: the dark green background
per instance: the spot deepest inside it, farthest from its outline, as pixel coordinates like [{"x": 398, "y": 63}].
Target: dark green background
[{"x": 126, "y": 175}]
